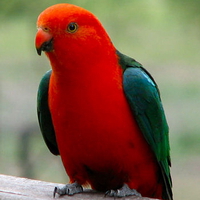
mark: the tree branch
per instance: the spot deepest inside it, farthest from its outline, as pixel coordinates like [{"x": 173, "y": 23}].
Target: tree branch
[{"x": 16, "y": 188}]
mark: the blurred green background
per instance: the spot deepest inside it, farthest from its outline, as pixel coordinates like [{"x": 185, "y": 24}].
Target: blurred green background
[{"x": 163, "y": 35}]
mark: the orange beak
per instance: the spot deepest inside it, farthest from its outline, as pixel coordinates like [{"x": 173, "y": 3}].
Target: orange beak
[{"x": 43, "y": 41}]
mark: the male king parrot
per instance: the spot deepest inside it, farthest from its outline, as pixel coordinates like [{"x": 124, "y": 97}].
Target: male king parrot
[{"x": 100, "y": 110}]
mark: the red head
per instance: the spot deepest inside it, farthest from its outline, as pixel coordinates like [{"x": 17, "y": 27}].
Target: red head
[{"x": 71, "y": 33}]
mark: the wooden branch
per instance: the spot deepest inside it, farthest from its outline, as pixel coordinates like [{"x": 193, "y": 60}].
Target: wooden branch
[{"x": 26, "y": 189}]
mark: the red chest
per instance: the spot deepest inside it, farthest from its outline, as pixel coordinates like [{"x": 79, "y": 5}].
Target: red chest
[
  {"x": 93, "y": 124},
  {"x": 91, "y": 115},
  {"x": 96, "y": 132}
]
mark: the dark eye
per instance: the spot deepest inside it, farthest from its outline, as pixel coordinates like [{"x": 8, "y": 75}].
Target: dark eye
[
  {"x": 45, "y": 29},
  {"x": 72, "y": 27}
]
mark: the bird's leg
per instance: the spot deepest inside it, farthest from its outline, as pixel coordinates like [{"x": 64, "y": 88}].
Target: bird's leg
[
  {"x": 123, "y": 192},
  {"x": 69, "y": 189}
]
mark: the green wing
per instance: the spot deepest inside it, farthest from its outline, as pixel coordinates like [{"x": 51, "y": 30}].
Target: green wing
[
  {"x": 44, "y": 115},
  {"x": 144, "y": 99}
]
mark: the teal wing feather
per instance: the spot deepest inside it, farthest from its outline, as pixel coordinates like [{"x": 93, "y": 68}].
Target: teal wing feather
[
  {"x": 143, "y": 97},
  {"x": 44, "y": 115}
]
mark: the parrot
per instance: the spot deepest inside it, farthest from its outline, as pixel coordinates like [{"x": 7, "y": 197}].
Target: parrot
[{"x": 100, "y": 110}]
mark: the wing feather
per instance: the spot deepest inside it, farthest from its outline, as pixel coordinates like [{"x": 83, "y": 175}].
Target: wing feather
[
  {"x": 44, "y": 115},
  {"x": 144, "y": 99}
]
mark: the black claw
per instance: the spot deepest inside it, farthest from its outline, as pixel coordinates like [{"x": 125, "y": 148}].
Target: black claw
[
  {"x": 110, "y": 193},
  {"x": 54, "y": 192},
  {"x": 122, "y": 192},
  {"x": 106, "y": 193},
  {"x": 69, "y": 189}
]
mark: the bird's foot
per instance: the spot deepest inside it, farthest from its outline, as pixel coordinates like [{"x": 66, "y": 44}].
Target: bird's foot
[
  {"x": 122, "y": 192},
  {"x": 69, "y": 189}
]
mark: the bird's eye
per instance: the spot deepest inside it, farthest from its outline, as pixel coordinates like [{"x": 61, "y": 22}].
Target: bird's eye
[
  {"x": 45, "y": 29},
  {"x": 72, "y": 27}
]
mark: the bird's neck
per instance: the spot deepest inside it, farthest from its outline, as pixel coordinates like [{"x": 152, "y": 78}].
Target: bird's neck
[{"x": 86, "y": 68}]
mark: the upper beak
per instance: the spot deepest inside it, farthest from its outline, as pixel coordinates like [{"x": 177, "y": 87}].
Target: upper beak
[{"x": 43, "y": 41}]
